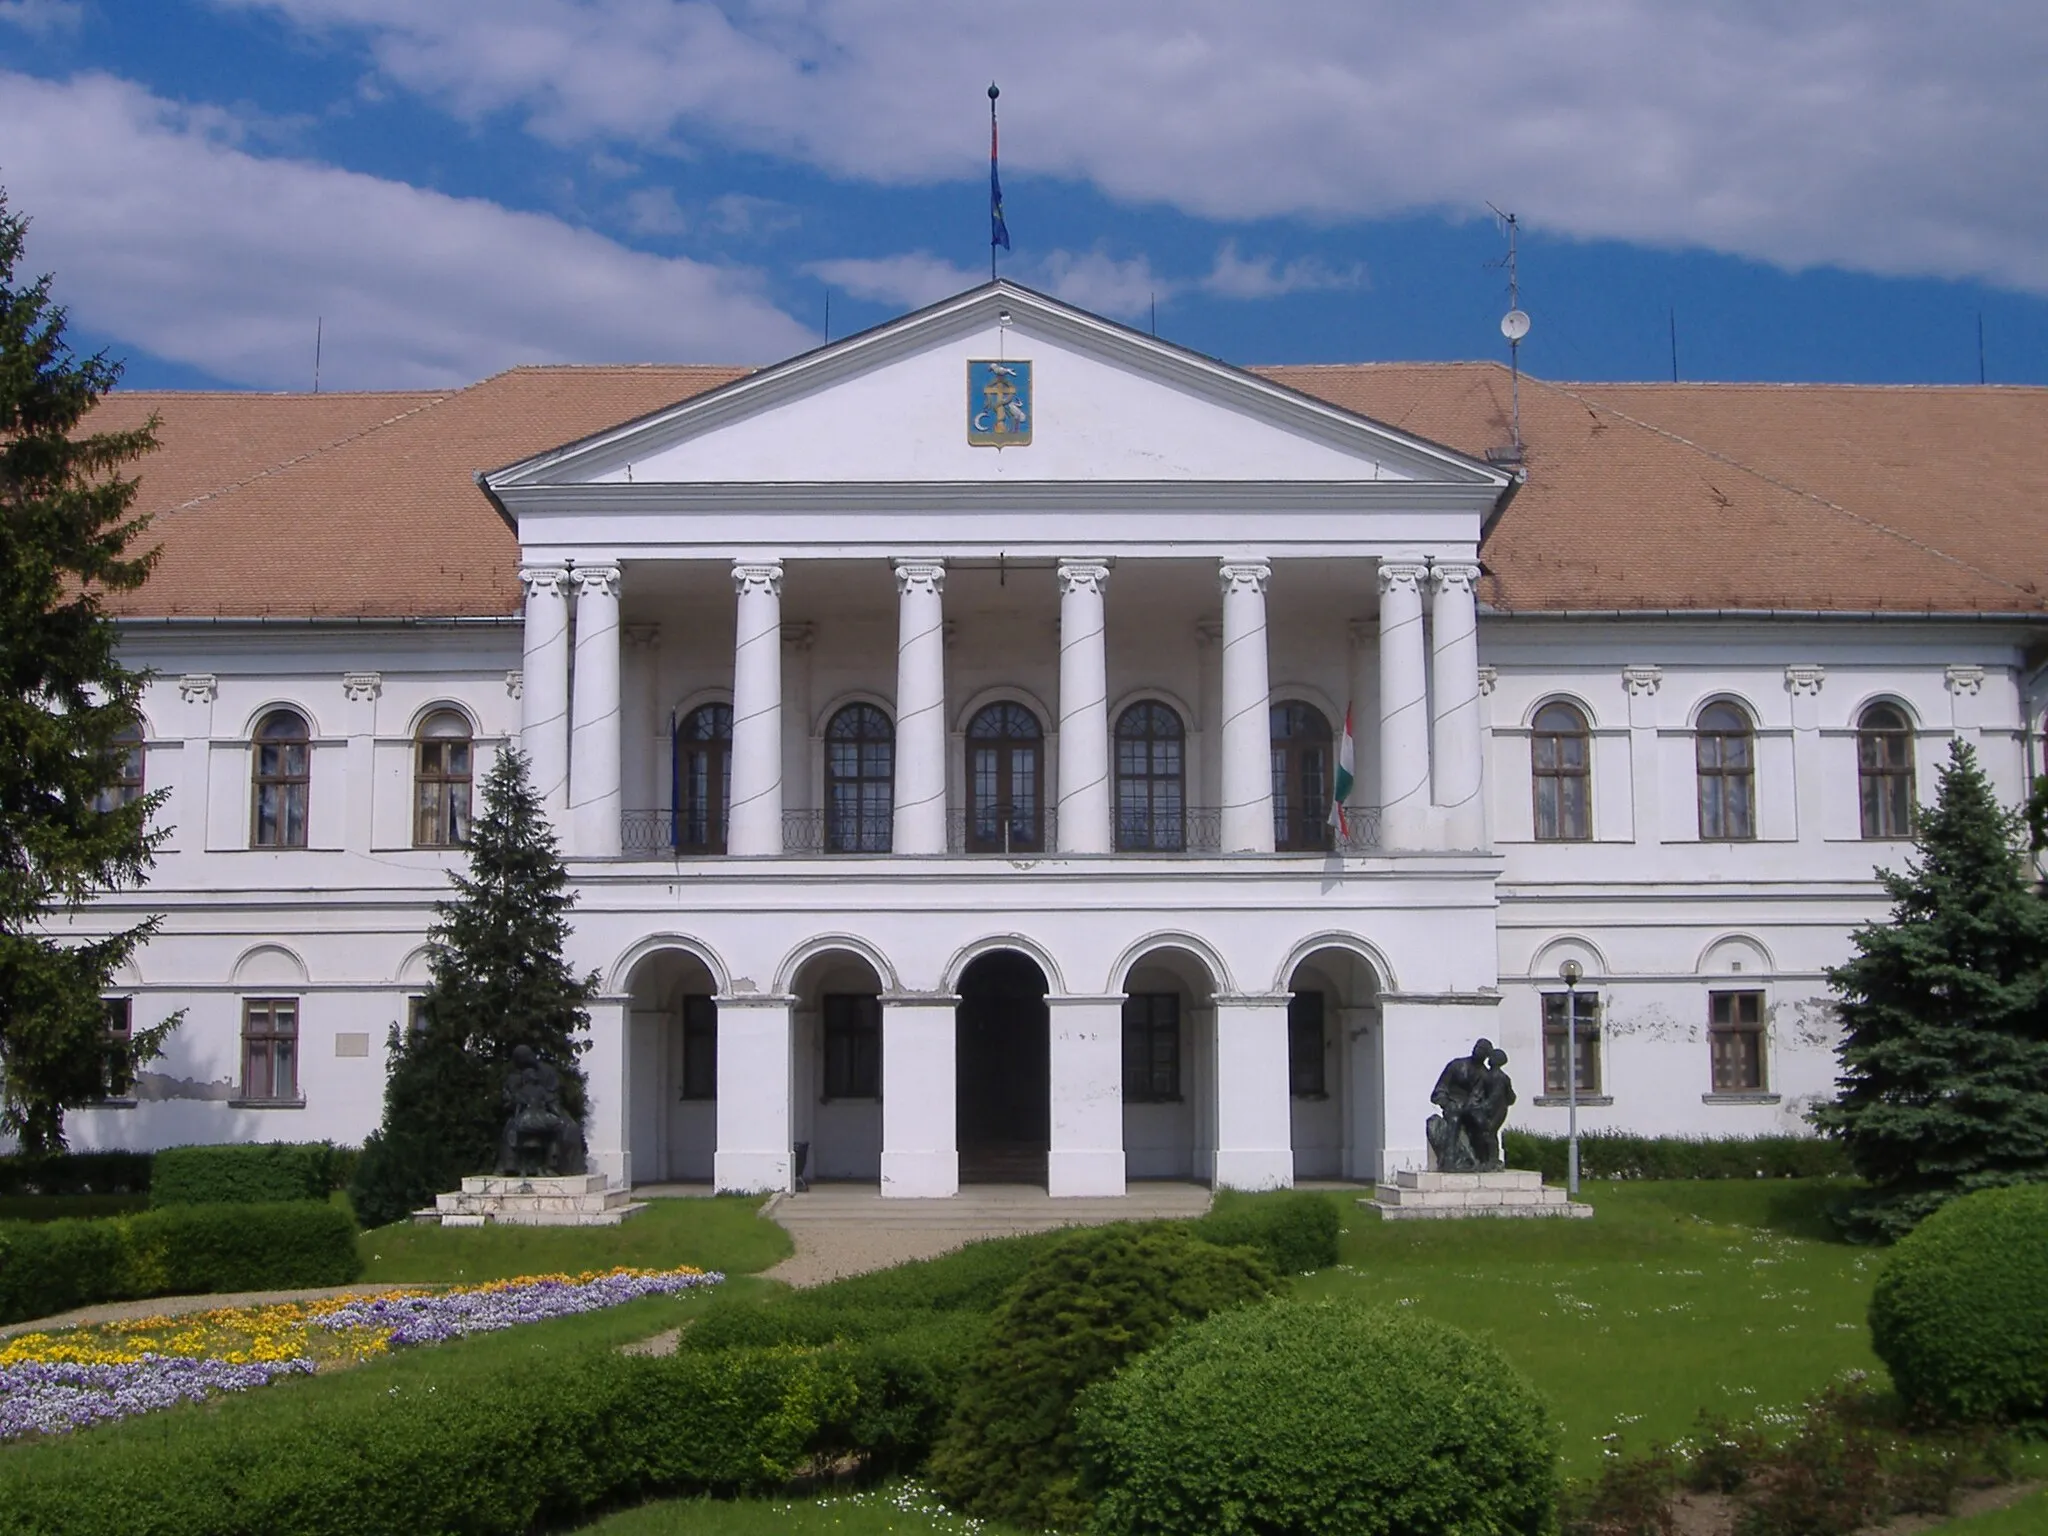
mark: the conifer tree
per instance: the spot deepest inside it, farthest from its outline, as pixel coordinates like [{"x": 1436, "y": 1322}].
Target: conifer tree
[
  {"x": 66, "y": 531},
  {"x": 498, "y": 981},
  {"x": 1944, "y": 1083}
]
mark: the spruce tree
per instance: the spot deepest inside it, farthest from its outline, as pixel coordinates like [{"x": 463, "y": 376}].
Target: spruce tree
[
  {"x": 66, "y": 534},
  {"x": 1944, "y": 1053},
  {"x": 499, "y": 981}
]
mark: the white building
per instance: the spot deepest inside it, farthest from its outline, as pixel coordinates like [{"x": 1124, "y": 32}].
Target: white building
[{"x": 957, "y": 808}]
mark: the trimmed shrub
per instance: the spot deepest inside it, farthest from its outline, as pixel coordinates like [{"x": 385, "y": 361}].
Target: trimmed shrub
[
  {"x": 76, "y": 1173},
  {"x": 1618, "y": 1155},
  {"x": 1960, "y": 1313},
  {"x": 1295, "y": 1231},
  {"x": 245, "y": 1173},
  {"x": 1093, "y": 1301},
  {"x": 54, "y": 1266},
  {"x": 1319, "y": 1417}
]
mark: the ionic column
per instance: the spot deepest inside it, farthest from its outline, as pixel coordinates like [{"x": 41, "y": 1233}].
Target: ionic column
[
  {"x": 1247, "y": 710},
  {"x": 1404, "y": 704},
  {"x": 1454, "y": 689},
  {"x": 920, "y": 1096},
  {"x": 1084, "y": 821},
  {"x": 920, "y": 820},
  {"x": 544, "y": 687},
  {"x": 754, "y": 822},
  {"x": 594, "y": 732},
  {"x": 1086, "y": 1157},
  {"x": 1254, "y": 1109},
  {"x": 754, "y": 1152}
]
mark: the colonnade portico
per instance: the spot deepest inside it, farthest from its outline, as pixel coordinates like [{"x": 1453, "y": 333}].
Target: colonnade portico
[{"x": 1429, "y": 741}]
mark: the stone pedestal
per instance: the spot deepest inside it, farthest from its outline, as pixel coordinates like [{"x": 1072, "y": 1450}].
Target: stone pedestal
[
  {"x": 576, "y": 1200},
  {"x": 1511, "y": 1192}
]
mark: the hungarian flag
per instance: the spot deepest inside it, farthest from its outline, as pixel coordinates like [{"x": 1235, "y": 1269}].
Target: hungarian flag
[{"x": 1347, "y": 768}]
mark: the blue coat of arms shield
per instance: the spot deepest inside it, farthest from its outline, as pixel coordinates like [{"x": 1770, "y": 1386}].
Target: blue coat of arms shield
[{"x": 998, "y": 403}]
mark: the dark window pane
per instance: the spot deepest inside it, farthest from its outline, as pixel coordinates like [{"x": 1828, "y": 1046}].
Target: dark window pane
[
  {"x": 853, "y": 1045},
  {"x": 1557, "y": 1035},
  {"x": 700, "y": 1048},
  {"x": 1152, "y": 1047},
  {"x": 1306, "y": 1045}
]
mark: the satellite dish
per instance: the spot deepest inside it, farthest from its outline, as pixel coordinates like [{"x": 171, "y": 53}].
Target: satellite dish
[{"x": 1514, "y": 325}]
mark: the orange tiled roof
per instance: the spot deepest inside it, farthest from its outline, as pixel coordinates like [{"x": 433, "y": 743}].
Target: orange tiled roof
[{"x": 1639, "y": 496}]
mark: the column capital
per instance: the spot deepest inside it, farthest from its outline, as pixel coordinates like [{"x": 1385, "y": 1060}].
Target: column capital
[
  {"x": 198, "y": 687},
  {"x": 1401, "y": 574},
  {"x": 1083, "y": 573},
  {"x": 1244, "y": 576},
  {"x": 926, "y": 576},
  {"x": 758, "y": 576},
  {"x": 1489, "y": 679},
  {"x": 597, "y": 580},
  {"x": 1454, "y": 575},
  {"x": 642, "y": 637},
  {"x": 544, "y": 580}
]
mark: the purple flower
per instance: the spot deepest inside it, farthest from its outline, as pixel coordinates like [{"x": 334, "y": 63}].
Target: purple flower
[
  {"x": 55, "y": 1399},
  {"x": 452, "y": 1314}
]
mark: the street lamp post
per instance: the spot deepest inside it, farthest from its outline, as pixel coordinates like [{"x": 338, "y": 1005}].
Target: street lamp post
[{"x": 1571, "y": 971}]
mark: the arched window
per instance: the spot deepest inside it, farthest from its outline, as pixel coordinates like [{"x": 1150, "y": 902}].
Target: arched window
[
  {"x": 1150, "y": 780},
  {"x": 860, "y": 780},
  {"x": 282, "y": 781},
  {"x": 1005, "y": 781},
  {"x": 1560, "y": 762},
  {"x": 703, "y": 778},
  {"x": 1725, "y": 746},
  {"x": 1301, "y": 778},
  {"x": 1884, "y": 771},
  {"x": 441, "y": 781},
  {"x": 127, "y": 782}
]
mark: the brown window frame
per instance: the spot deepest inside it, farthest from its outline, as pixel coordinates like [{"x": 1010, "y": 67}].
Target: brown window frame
[
  {"x": 850, "y": 1030},
  {"x": 1308, "y": 1045},
  {"x": 1561, "y": 789},
  {"x": 1151, "y": 779},
  {"x": 1303, "y": 764},
  {"x": 700, "y": 1048},
  {"x": 290, "y": 781},
  {"x": 278, "y": 1039},
  {"x": 1151, "y": 1048},
  {"x": 1734, "y": 1040},
  {"x": 860, "y": 758},
  {"x": 1005, "y": 751},
  {"x": 443, "y": 788},
  {"x": 703, "y": 757},
  {"x": 1725, "y": 787},
  {"x": 1556, "y": 1035},
  {"x": 1884, "y": 773}
]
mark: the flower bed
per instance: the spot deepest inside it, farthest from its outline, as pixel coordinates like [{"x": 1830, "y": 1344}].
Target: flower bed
[{"x": 52, "y": 1383}]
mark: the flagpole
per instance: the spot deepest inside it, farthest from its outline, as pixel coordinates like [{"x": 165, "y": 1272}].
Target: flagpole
[{"x": 993, "y": 93}]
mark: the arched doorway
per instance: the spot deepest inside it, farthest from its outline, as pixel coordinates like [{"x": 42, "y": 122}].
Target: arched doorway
[
  {"x": 1333, "y": 1024},
  {"x": 1003, "y": 1044},
  {"x": 837, "y": 1066},
  {"x": 672, "y": 1068},
  {"x": 1169, "y": 1067}
]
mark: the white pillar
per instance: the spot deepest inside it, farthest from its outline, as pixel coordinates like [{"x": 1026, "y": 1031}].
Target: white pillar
[
  {"x": 1085, "y": 812},
  {"x": 1247, "y": 710},
  {"x": 594, "y": 729},
  {"x": 1454, "y": 690},
  {"x": 1254, "y": 1110},
  {"x": 754, "y": 1152},
  {"x": 1087, "y": 1156},
  {"x": 1404, "y": 704},
  {"x": 920, "y": 821},
  {"x": 362, "y": 690},
  {"x": 920, "y": 1096},
  {"x": 754, "y": 822},
  {"x": 544, "y": 688},
  {"x": 605, "y": 1138}
]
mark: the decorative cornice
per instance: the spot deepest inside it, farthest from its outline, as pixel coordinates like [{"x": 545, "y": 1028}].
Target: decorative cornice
[
  {"x": 1805, "y": 679},
  {"x": 515, "y": 683},
  {"x": 1405, "y": 575},
  {"x": 597, "y": 581},
  {"x": 198, "y": 687},
  {"x": 1965, "y": 680},
  {"x": 758, "y": 577},
  {"x": 544, "y": 581},
  {"x": 1489, "y": 679},
  {"x": 1641, "y": 679},
  {"x": 362, "y": 687},
  {"x": 1089, "y": 573},
  {"x": 924, "y": 577},
  {"x": 1242, "y": 576}
]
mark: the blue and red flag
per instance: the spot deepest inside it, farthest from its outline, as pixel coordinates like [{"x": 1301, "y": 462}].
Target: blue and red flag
[{"x": 998, "y": 231}]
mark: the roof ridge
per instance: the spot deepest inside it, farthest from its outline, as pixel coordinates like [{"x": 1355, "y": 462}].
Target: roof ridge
[
  {"x": 1795, "y": 490},
  {"x": 299, "y": 458}
]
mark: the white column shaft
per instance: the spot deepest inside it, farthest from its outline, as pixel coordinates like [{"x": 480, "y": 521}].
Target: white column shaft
[
  {"x": 1087, "y": 1156},
  {"x": 1084, "y": 821},
  {"x": 1247, "y": 710},
  {"x": 920, "y": 1097},
  {"x": 1404, "y": 706},
  {"x": 606, "y": 1140},
  {"x": 920, "y": 820},
  {"x": 544, "y": 688},
  {"x": 1254, "y": 1109},
  {"x": 754, "y": 1152},
  {"x": 1454, "y": 689},
  {"x": 594, "y": 802},
  {"x": 754, "y": 822}
]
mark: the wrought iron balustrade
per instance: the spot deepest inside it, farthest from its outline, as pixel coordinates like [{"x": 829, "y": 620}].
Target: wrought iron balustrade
[
  {"x": 1010, "y": 830},
  {"x": 647, "y": 832},
  {"x": 820, "y": 831}
]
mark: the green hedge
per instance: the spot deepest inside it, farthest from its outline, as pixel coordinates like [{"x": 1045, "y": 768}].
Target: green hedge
[
  {"x": 76, "y": 1173},
  {"x": 54, "y": 1266},
  {"x": 1295, "y": 1231},
  {"x": 1618, "y": 1155},
  {"x": 1960, "y": 1312},
  {"x": 246, "y": 1173}
]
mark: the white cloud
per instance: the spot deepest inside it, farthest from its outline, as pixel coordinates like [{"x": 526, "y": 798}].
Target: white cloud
[
  {"x": 1885, "y": 135},
  {"x": 164, "y": 233},
  {"x": 913, "y": 279},
  {"x": 1263, "y": 277},
  {"x": 654, "y": 211},
  {"x": 1097, "y": 281},
  {"x": 43, "y": 18},
  {"x": 757, "y": 218}
]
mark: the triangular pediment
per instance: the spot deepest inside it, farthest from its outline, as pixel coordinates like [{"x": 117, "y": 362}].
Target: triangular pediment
[{"x": 900, "y": 404}]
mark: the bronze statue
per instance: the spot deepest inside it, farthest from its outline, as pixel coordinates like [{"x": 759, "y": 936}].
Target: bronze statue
[
  {"x": 540, "y": 1140},
  {"x": 1472, "y": 1095}
]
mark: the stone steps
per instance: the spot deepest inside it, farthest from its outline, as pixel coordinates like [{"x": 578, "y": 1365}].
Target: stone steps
[
  {"x": 573, "y": 1200},
  {"x": 1442, "y": 1196},
  {"x": 989, "y": 1208}
]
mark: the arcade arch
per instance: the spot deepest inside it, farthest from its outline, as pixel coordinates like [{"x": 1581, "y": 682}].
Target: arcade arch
[{"x": 1333, "y": 1065}]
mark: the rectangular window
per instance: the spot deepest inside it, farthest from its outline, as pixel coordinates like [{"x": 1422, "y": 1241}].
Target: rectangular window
[
  {"x": 1735, "y": 1030},
  {"x": 700, "y": 1048},
  {"x": 120, "y": 1078},
  {"x": 270, "y": 1049},
  {"x": 853, "y": 1045},
  {"x": 1152, "y": 1048},
  {"x": 1305, "y": 1046},
  {"x": 1557, "y": 1034}
]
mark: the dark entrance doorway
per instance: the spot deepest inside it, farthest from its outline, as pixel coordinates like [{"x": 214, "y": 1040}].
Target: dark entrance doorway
[{"x": 1003, "y": 1035}]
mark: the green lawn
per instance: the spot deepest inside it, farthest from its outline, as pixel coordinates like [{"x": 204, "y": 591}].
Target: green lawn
[{"x": 726, "y": 1233}]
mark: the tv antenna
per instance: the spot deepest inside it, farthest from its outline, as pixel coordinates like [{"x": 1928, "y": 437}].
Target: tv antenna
[{"x": 1514, "y": 325}]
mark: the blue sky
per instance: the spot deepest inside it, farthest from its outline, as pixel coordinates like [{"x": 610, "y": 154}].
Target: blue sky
[{"x": 452, "y": 186}]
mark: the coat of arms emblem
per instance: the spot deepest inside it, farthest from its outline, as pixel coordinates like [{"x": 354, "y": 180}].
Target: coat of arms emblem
[{"x": 998, "y": 403}]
